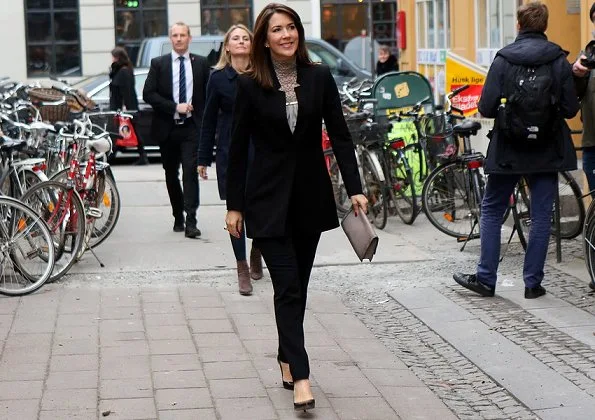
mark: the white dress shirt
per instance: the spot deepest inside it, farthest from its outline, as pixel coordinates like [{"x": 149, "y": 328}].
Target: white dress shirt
[{"x": 176, "y": 79}]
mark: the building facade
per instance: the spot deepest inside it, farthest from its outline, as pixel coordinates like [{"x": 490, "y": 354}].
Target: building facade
[{"x": 73, "y": 38}]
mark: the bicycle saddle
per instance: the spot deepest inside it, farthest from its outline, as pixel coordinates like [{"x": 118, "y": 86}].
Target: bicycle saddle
[
  {"x": 7, "y": 143},
  {"x": 59, "y": 125},
  {"x": 467, "y": 128},
  {"x": 101, "y": 144}
]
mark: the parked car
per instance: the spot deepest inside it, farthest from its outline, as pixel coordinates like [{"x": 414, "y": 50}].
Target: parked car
[{"x": 97, "y": 87}]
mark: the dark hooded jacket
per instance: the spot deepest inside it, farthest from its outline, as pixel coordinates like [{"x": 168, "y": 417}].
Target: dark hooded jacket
[{"x": 507, "y": 156}]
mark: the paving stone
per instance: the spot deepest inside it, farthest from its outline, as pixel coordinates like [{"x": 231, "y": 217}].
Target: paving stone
[
  {"x": 69, "y": 399},
  {"x": 76, "y": 362},
  {"x": 68, "y": 414},
  {"x": 179, "y": 399},
  {"x": 179, "y": 379},
  {"x": 116, "y": 325},
  {"x": 260, "y": 319},
  {"x": 229, "y": 370},
  {"x": 327, "y": 353},
  {"x": 75, "y": 347},
  {"x": 22, "y": 372},
  {"x": 322, "y": 413},
  {"x": 150, "y": 296},
  {"x": 20, "y": 390},
  {"x": 80, "y": 379},
  {"x": 414, "y": 401},
  {"x": 246, "y": 308},
  {"x": 199, "y": 302},
  {"x": 125, "y": 348},
  {"x": 191, "y": 414},
  {"x": 19, "y": 409},
  {"x": 236, "y": 388},
  {"x": 76, "y": 333},
  {"x": 261, "y": 347},
  {"x": 77, "y": 320},
  {"x": 173, "y": 362},
  {"x": 129, "y": 408},
  {"x": 246, "y": 408},
  {"x": 211, "y": 326},
  {"x": 125, "y": 388},
  {"x": 154, "y": 320},
  {"x": 217, "y": 340},
  {"x": 205, "y": 313},
  {"x": 169, "y": 332},
  {"x": 392, "y": 377},
  {"x": 20, "y": 355},
  {"x": 120, "y": 313},
  {"x": 362, "y": 408},
  {"x": 223, "y": 354},
  {"x": 172, "y": 347},
  {"x": 162, "y": 307},
  {"x": 124, "y": 367}
]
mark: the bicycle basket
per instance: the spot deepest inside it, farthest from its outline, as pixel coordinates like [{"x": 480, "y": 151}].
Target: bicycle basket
[
  {"x": 51, "y": 113},
  {"x": 440, "y": 142}
]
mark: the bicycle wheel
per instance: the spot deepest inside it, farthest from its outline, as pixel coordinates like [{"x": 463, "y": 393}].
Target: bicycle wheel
[
  {"x": 572, "y": 208},
  {"x": 342, "y": 201},
  {"x": 26, "y": 249},
  {"x": 448, "y": 200},
  {"x": 63, "y": 211},
  {"x": 374, "y": 190},
  {"x": 108, "y": 201},
  {"x": 589, "y": 240},
  {"x": 403, "y": 188}
]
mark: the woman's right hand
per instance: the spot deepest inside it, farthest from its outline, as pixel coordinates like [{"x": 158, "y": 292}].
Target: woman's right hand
[
  {"x": 234, "y": 221},
  {"x": 202, "y": 171},
  {"x": 578, "y": 69}
]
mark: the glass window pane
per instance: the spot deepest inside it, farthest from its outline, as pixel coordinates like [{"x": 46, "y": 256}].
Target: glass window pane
[
  {"x": 482, "y": 24},
  {"x": 239, "y": 16},
  {"x": 239, "y": 3},
  {"x": 38, "y": 4},
  {"x": 39, "y": 60},
  {"x": 39, "y": 27},
  {"x": 330, "y": 25},
  {"x": 154, "y": 3},
  {"x": 508, "y": 22},
  {"x": 421, "y": 24},
  {"x": 65, "y": 4},
  {"x": 127, "y": 25},
  {"x": 441, "y": 30},
  {"x": 354, "y": 20},
  {"x": 155, "y": 23},
  {"x": 66, "y": 26},
  {"x": 68, "y": 60},
  {"x": 495, "y": 23},
  {"x": 431, "y": 28}
]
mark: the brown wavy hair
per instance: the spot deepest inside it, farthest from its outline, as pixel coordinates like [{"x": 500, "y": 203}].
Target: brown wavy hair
[
  {"x": 261, "y": 65},
  {"x": 121, "y": 56}
]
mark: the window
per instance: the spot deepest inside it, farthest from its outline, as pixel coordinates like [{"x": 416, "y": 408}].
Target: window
[
  {"x": 433, "y": 40},
  {"x": 53, "y": 37},
  {"x": 219, "y": 15},
  {"x": 495, "y": 26},
  {"x": 345, "y": 20},
  {"x": 139, "y": 19}
]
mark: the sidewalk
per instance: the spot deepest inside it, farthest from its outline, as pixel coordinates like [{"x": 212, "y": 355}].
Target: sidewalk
[{"x": 190, "y": 352}]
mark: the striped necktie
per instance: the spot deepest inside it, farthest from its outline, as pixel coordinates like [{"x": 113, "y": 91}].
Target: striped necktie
[{"x": 182, "y": 89}]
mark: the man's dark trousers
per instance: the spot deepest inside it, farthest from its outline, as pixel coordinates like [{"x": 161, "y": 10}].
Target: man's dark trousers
[
  {"x": 181, "y": 147},
  {"x": 496, "y": 198}
]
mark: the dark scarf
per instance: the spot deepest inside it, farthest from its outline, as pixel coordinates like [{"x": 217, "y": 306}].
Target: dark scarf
[{"x": 114, "y": 69}]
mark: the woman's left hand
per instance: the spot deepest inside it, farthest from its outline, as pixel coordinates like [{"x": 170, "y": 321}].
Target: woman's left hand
[{"x": 359, "y": 201}]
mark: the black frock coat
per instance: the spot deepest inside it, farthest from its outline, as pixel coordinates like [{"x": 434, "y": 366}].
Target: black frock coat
[{"x": 286, "y": 189}]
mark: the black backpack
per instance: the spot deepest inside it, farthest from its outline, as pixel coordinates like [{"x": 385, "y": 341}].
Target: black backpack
[{"x": 531, "y": 111}]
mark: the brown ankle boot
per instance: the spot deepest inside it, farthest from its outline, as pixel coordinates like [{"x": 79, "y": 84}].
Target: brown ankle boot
[
  {"x": 244, "y": 283},
  {"x": 255, "y": 264}
]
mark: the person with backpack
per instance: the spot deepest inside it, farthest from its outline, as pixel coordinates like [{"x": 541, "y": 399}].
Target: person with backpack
[
  {"x": 529, "y": 90},
  {"x": 584, "y": 79}
]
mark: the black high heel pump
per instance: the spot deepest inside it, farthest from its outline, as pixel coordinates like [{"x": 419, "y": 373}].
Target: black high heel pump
[
  {"x": 286, "y": 384},
  {"x": 305, "y": 405}
]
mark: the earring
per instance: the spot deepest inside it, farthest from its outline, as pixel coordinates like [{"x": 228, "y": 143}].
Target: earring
[{"x": 266, "y": 45}]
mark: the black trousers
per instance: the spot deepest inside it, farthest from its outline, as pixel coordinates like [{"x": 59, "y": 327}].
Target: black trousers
[
  {"x": 181, "y": 147},
  {"x": 289, "y": 260}
]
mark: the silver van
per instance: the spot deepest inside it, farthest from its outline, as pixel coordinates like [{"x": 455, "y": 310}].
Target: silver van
[{"x": 342, "y": 68}]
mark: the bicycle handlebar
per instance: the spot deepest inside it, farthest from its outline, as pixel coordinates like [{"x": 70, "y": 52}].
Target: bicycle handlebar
[{"x": 457, "y": 91}]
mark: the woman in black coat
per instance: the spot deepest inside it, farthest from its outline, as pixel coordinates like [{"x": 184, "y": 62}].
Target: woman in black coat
[
  {"x": 285, "y": 195},
  {"x": 221, "y": 93},
  {"x": 123, "y": 93}
]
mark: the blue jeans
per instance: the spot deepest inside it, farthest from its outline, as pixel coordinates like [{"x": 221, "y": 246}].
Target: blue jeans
[
  {"x": 589, "y": 166},
  {"x": 496, "y": 199}
]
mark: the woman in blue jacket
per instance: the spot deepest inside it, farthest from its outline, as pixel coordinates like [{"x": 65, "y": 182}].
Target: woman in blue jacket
[{"x": 221, "y": 92}]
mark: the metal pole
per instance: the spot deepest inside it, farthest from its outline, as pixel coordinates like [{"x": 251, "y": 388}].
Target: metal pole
[
  {"x": 371, "y": 35},
  {"x": 557, "y": 216}
]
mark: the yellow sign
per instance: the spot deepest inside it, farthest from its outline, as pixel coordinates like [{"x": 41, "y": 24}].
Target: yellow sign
[{"x": 460, "y": 72}]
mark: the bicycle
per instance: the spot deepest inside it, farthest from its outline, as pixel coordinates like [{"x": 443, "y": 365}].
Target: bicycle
[{"x": 26, "y": 249}]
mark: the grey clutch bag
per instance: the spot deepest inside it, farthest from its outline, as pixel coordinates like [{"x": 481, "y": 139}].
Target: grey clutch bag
[{"x": 361, "y": 234}]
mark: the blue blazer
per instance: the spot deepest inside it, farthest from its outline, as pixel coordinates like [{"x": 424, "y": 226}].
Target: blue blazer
[{"x": 217, "y": 118}]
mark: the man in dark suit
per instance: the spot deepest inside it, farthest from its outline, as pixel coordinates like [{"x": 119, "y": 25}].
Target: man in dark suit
[{"x": 175, "y": 88}]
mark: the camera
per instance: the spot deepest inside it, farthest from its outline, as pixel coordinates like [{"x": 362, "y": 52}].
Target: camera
[{"x": 589, "y": 62}]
